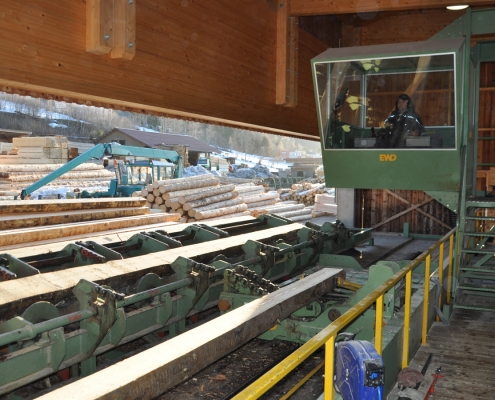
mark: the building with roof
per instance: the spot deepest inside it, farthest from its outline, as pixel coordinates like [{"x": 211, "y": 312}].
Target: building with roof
[
  {"x": 134, "y": 137},
  {"x": 6, "y": 135}
]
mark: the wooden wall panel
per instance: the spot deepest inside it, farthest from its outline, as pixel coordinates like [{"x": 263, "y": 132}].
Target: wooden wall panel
[
  {"x": 398, "y": 27},
  {"x": 203, "y": 60},
  {"x": 327, "y": 28},
  {"x": 486, "y": 127},
  {"x": 433, "y": 99},
  {"x": 381, "y": 205}
]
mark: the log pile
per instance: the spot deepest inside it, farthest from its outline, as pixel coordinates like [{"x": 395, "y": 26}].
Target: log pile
[
  {"x": 202, "y": 197},
  {"x": 32, "y": 220},
  {"x": 298, "y": 202},
  {"x": 303, "y": 193},
  {"x": 195, "y": 198},
  {"x": 14, "y": 178},
  {"x": 269, "y": 203}
]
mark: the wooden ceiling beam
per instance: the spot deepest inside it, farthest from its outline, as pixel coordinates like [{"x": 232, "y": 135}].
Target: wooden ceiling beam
[
  {"x": 124, "y": 23},
  {"x": 331, "y": 7},
  {"x": 111, "y": 28},
  {"x": 99, "y": 26},
  {"x": 287, "y": 56}
]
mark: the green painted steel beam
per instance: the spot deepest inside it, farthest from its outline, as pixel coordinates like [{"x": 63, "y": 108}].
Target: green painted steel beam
[{"x": 448, "y": 199}]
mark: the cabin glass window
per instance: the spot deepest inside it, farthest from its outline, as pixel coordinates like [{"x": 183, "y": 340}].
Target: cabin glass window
[{"x": 401, "y": 102}]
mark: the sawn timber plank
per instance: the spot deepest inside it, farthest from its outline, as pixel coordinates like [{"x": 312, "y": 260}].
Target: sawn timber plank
[{"x": 154, "y": 371}]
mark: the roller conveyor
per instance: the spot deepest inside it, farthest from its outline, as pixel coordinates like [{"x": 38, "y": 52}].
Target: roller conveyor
[
  {"x": 72, "y": 316},
  {"x": 91, "y": 252}
]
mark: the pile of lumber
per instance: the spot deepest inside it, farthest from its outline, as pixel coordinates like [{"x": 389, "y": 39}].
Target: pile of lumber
[
  {"x": 5, "y": 148},
  {"x": 324, "y": 204},
  {"x": 37, "y": 150},
  {"x": 25, "y": 221},
  {"x": 195, "y": 198},
  {"x": 41, "y": 150},
  {"x": 303, "y": 193},
  {"x": 219, "y": 164},
  {"x": 14, "y": 178}
]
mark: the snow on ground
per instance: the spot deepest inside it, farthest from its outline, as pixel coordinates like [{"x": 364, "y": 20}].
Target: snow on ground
[
  {"x": 252, "y": 159},
  {"x": 10, "y": 107}
]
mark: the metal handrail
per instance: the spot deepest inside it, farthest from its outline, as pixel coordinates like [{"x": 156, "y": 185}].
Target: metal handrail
[{"x": 327, "y": 335}]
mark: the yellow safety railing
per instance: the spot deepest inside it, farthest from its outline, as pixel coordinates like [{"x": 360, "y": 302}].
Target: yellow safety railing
[{"x": 327, "y": 335}]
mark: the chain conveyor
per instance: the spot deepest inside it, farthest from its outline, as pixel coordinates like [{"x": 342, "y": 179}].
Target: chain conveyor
[{"x": 93, "y": 299}]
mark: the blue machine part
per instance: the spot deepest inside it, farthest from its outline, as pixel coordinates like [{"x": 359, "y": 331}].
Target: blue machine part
[{"x": 359, "y": 371}]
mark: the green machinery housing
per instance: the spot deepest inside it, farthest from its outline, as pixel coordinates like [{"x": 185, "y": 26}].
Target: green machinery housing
[{"x": 356, "y": 89}]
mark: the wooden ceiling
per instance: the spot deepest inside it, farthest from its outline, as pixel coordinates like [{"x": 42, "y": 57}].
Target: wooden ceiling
[
  {"x": 220, "y": 62},
  {"x": 333, "y": 7}
]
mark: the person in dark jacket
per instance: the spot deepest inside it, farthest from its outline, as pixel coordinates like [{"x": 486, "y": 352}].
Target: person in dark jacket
[{"x": 403, "y": 121}]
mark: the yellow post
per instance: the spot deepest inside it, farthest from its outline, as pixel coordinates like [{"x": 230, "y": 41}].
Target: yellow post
[
  {"x": 379, "y": 324},
  {"x": 328, "y": 392},
  {"x": 426, "y": 299},
  {"x": 440, "y": 278},
  {"x": 449, "y": 276},
  {"x": 407, "y": 320}
]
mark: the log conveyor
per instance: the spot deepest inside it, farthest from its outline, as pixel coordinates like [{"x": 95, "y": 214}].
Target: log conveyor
[{"x": 68, "y": 308}]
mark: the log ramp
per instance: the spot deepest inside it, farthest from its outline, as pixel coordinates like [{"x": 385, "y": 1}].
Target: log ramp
[
  {"x": 32, "y": 220},
  {"x": 156, "y": 370},
  {"x": 16, "y": 295}
]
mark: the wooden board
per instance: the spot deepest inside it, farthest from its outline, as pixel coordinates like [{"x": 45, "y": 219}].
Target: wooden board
[
  {"x": 16, "y": 295},
  {"x": 465, "y": 352},
  {"x": 35, "y": 206},
  {"x": 152, "y": 372}
]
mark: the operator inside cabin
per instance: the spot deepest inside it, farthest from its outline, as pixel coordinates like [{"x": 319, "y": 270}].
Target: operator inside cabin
[
  {"x": 401, "y": 103},
  {"x": 403, "y": 122}
]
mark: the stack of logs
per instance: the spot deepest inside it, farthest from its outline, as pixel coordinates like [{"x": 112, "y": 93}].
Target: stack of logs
[
  {"x": 200, "y": 198},
  {"x": 195, "y": 198},
  {"x": 272, "y": 205},
  {"x": 303, "y": 193},
  {"x": 14, "y": 178},
  {"x": 36, "y": 220},
  {"x": 287, "y": 209}
]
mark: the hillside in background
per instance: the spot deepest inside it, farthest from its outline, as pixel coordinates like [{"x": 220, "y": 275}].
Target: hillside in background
[{"x": 86, "y": 123}]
